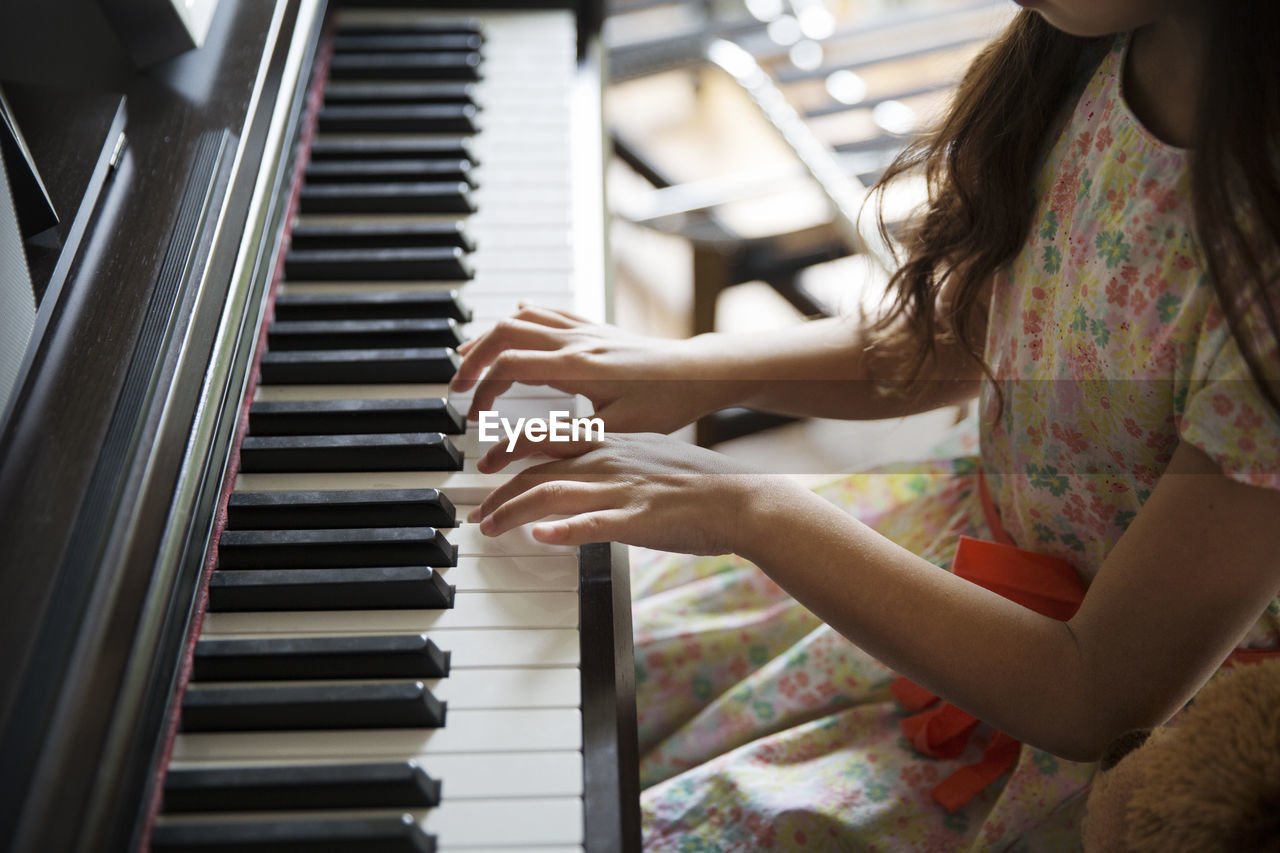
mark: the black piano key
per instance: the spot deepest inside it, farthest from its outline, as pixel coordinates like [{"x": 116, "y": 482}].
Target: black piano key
[
  {"x": 282, "y": 658},
  {"x": 382, "y": 146},
  {"x": 390, "y": 451},
  {"x": 351, "y": 417},
  {"x": 362, "y": 334},
  {"x": 390, "y": 92},
  {"x": 389, "y": 784},
  {"x": 341, "y": 705},
  {"x": 378, "y": 588},
  {"x": 380, "y": 171},
  {"x": 423, "y": 27},
  {"x": 397, "y": 118},
  {"x": 417, "y": 65},
  {"x": 360, "y": 234},
  {"x": 427, "y": 262},
  {"x": 360, "y": 547},
  {"x": 294, "y": 835},
  {"x": 323, "y": 510},
  {"x": 358, "y": 367},
  {"x": 421, "y": 197},
  {"x": 378, "y": 42}
]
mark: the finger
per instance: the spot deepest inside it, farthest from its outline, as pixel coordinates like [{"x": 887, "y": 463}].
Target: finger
[
  {"x": 558, "y": 312},
  {"x": 530, "y": 367},
  {"x": 547, "y": 317},
  {"x": 499, "y": 456},
  {"x": 509, "y": 334},
  {"x": 557, "y": 497},
  {"x": 605, "y": 525},
  {"x": 523, "y": 481}
]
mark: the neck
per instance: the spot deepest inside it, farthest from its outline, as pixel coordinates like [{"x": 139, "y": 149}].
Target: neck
[{"x": 1162, "y": 76}]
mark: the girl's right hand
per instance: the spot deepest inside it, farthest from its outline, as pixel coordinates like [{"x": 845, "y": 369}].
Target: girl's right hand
[{"x": 635, "y": 383}]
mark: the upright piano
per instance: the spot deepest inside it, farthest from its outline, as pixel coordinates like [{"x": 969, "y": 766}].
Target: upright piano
[{"x": 239, "y": 607}]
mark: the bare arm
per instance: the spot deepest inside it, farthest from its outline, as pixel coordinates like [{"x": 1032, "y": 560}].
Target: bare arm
[
  {"x": 641, "y": 384},
  {"x": 1183, "y": 584},
  {"x": 822, "y": 369}
]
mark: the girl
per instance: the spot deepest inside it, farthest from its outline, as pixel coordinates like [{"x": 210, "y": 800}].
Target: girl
[{"x": 1100, "y": 262}]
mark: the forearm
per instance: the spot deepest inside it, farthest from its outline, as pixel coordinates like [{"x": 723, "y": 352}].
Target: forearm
[
  {"x": 819, "y": 369},
  {"x": 1007, "y": 665}
]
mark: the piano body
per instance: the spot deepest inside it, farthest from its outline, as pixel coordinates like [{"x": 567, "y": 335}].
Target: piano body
[{"x": 238, "y": 608}]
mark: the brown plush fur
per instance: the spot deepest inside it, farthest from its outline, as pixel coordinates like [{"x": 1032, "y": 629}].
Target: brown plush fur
[{"x": 1208, "y": 783}]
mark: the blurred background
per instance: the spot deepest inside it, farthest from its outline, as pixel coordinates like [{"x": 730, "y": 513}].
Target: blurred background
[{"x": 746, "y": 133}]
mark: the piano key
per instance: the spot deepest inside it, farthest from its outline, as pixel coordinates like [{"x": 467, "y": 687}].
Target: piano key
[
  {"x": 384, "y": 91},
  {"x": 371, "y": 305},
  {"x": 522, "y": 687},
  {"x": 398, "y": 118},
  {"x": 389, "y": 197},
  {"x": 461, "y": 486},
  {"x": 508, "y": 774},
  {"x": 472, "y": 825},
  {"x": 417, "y": 65},
  {"x": 362, "y": 589},
  {"x": 518, "y": 822},
  {"x": 364, "y": 334},
  {"x": 378, "y": 263},
  {"x": 469, "y": 776},
  {"x": 359, "y": 547},
  {"x": 282, "y": 658},
  {"x": 390, "y": 451},
  {"x": 369, "y": 366},
  {"x": 468, "y": 648},
  {"x": 388, "y": 784},
  {"x": 489, "y": 731},
  {"x": 373, "y": 43},
  {"x": 347, "y": 146},
  {"x": 528, "y": 573},
  {"x": 378, "y": 834},
  {"x": 471, "y": 611},
  {"x": 293, "y": 707},
  {"x": 350, "y": 417},
  {"x": 416, "y": 170},
  {"x": 370, "y": 508},
  {"x": 418, "y": 25}
]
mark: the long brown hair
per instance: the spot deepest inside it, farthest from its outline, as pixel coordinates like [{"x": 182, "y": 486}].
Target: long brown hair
[{"x": 981, "y": 162}]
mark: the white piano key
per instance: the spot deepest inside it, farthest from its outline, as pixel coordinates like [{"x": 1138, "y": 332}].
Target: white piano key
[
  {"x": 509, "y": 774},
  {"x": 445, "y": 847},
  {"x": 512, "y": 730},
  {"x": 514, "y": 543},
  {"x": 486, "y": 689},
  {"x": 527, "y": 573},
  {"x": 526, "y": 822}
]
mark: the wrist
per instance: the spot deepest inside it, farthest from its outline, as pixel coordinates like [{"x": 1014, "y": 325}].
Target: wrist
[{"x": 770, "y": 515}]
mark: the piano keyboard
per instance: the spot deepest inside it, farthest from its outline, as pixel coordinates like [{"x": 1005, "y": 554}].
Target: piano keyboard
[{"x": 372, "y": 674}]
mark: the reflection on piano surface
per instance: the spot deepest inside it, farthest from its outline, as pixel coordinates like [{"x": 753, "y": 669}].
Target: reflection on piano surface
[{"x": 296, "y": 645}]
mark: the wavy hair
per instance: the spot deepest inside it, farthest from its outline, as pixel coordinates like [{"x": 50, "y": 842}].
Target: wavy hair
[{"x": 981, "y": 161}]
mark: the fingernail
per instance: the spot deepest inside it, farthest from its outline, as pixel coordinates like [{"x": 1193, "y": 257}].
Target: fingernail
[{"x": 487, "y": 526}]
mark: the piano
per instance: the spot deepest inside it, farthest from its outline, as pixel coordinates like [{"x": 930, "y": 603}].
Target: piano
[{"x": 240, "y": 607}]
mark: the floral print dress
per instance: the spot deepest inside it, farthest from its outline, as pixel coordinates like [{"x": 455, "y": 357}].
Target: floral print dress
[{"x": 763, "y": 729}]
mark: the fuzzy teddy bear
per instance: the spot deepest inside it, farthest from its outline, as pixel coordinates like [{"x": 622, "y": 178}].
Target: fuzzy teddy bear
[{"x": 1209, "y": 782}]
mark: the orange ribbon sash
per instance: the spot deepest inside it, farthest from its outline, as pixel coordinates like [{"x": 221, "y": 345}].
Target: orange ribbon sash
[{"x": 1049, "y": 586}]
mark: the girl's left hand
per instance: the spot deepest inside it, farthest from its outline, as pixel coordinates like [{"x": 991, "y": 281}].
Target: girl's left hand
[{"x": 636, "y": 488}]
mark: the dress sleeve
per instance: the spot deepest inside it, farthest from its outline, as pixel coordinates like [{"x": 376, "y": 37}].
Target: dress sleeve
[{"x": 1226, "y": 414}]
